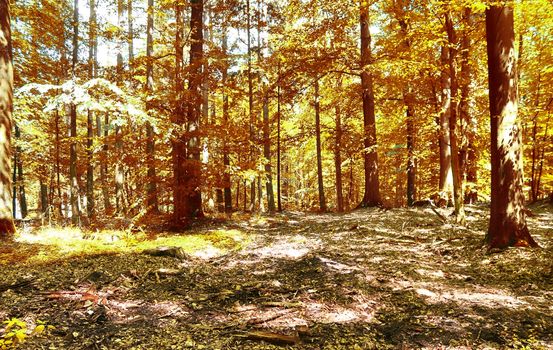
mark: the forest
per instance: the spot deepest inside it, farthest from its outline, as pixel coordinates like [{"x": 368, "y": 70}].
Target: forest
[{"x": 264, "y": 174}]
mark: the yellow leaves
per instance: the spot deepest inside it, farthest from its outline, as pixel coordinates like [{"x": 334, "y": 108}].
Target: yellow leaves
[{"x": 478, "y": 6}]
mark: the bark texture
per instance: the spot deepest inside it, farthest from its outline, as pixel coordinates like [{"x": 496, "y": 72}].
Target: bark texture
[{"x": 507, "y": 215}]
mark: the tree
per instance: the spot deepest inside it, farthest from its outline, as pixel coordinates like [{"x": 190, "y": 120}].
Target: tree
[
  {"x": 371, "y": 196},
  {"x": 507, "y": 216},
  {"x": 187, "y": 198},
  {"x": 320, "y": 183},
  {"x": 458, "y": 196},
  {"x": 7, "y": 228},
  {"x": 74, "y": 184},
  {"x": 151, "y": 187}
]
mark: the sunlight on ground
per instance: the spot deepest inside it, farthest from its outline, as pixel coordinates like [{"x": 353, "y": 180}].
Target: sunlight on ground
[{"x": 54, "y": 243}]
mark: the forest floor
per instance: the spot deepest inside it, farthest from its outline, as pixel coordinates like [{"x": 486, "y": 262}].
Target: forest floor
[{"x": 370, "y": 279}]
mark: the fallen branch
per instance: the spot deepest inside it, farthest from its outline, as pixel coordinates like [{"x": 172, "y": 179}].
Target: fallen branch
[{"x": 273, "y": 338}]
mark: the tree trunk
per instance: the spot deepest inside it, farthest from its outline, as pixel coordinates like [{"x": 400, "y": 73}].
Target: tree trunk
[
  {"x": 20, "y": 180},
  {"x": 119, "y": 171},
  {"x": 90, "y": 116},
  {"x": 267, "y": 155},
  {"x": 187, "y": 198},
  {"x": 446, "y": 178},
  {"x": 322, "y": 200},
  {"x": 408, "y": 100},
  {"x": 458, "y": 196},
  {"x": 250, "y": 103},
  {"x": 468, "y": 156},
  {"x": 7, "y": 228},
  {"x": 130, "y": 34},
  {"x": 338, "y": 154},
  {"x": 74, "y": 185},
  {"x": 151, "y": 188},
  {"x": 371, "y": 195},
  {"x": 507, "y": 216},
  {"x": 279, "y": 195},
  {"x": 226, "y": 157}
]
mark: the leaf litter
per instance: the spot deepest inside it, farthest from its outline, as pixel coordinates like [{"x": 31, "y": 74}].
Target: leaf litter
[{"x": 370, "y": 279}]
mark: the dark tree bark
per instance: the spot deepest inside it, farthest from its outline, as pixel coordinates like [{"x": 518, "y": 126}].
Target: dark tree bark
[
  {"x": 187, "y": 199},
  {"x": 320, "y": 183},
  {"x": 7, "y": 228},
  {"x": 507, "y": 216},
  {"x": 151, "y": 188},
  {"x": 74, "y": 185},
  {"x": 454, "y": 136},
  {"x": 371, "y": 195},
  {"x": 18, "y": 168}
]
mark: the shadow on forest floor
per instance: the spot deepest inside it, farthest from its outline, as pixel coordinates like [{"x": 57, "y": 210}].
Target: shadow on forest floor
[{"x": 398, "y": 279}]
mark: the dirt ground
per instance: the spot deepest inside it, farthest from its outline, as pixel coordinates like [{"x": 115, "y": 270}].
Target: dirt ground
[{"x": 371, "y": 279}]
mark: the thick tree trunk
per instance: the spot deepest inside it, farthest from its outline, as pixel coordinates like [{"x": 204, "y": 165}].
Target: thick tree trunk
[
  {"x": 458, "y": 195},
  {"x": 151, "y": 188},
  {"x": 507, "y": 216},
  {"x": 371, "y": 196},
  {"x": 74, "y": 185},
  {"x": 7, "y": 228},
  {"x": 187, "y": 199},
  {"x": 320, "y": 183}
]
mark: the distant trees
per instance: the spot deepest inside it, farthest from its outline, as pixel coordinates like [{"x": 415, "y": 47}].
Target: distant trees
[
  {"x": 7, "y": 227},
  {"x": 235, "y": 105},
  {"x": 507, "y": 215}
]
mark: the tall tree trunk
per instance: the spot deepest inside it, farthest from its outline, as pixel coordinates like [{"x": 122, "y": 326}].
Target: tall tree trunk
[
  {"x": 187, "y": 199},
  {"x": 322, "y": 200},
  {"x": 467, "y": 154},
  {"x": 446, "y": 178},
  {"x": 152, "y": 201},
  {"x": 75, "y": 209},
  {"x": 226, "y": 157},
  {"x": 507, "y": 217},
  {"x": 338, "y": 153},
  {"x": 130, "y": 34},
  {"x": 458, "y": 195},
  {"x": 90, "y": 116},
  {"x": 119, "y": 170},
  {"x": 408, "y": 100},
  {"x": 279, "y": 195},
  {"x": 267, "y": 155},
  {"x": 371, "y": 196},
  {"x": 250, "y": 103},
  {"x": 20, "y": 179},
  {"x": 7, "y": 228},
  {"x": 58, "y": 165}
]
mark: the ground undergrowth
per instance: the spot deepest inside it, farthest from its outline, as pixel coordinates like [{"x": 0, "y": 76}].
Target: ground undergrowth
[{"x": 370, "y": 279}]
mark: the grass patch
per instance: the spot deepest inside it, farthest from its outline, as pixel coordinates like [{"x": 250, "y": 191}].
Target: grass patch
[{"x": 49, "y": 244}]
